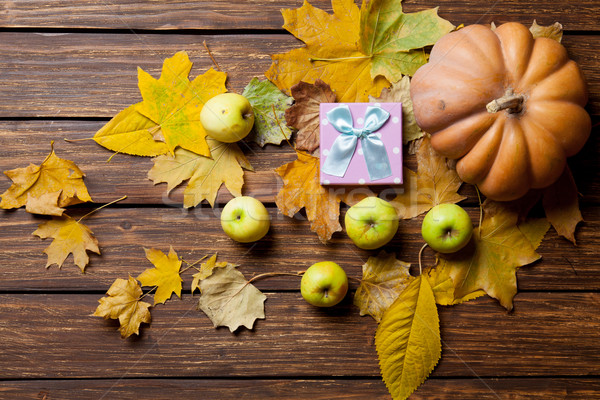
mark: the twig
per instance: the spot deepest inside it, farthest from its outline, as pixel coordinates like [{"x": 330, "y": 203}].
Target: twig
[
  {"x": 211, "y": 56},
  {"x": 101, "y": 207}
]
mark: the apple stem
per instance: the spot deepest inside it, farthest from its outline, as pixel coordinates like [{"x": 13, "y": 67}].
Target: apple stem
[{"x": 420, "y": 255}]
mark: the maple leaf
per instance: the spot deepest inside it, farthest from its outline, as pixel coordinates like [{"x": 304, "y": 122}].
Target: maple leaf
[
  {"x": 165, "y": 276},
  {"x": 304, "y": 114},
  {"x": 41, "y": 182},
  {"x": 70, "y": 237},
  {"x": 46, "y": 204},
  {"x": 169, "y": 112},
  {"x": 554, "y": 31},
  {"x": 408, "y": 339},
  {"x": 206, "y": 270},
  {"x": 434, "y": 183},
  {"x": 228, "y": 299},
  {"x": 358, "y": 52},
  {"x": 206, "y": 175},
  {"x": 301, "y": 188},
  {"x": 124, "y": 303},
  {"x": 129, "y": 132},
  {"x": 400, "y": 93},
  {"x": 562, "y": 205},
  {"x": 269, "y": 105},
  {"x": 497, "y": 250},
  {"x": 384, "y": 278}
]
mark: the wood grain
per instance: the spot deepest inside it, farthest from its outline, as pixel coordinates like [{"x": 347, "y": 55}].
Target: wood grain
[
  {"x": 94, "y": 75},
  {"x": 123, "y": 233},
  {"x": 264, "y": 14},
  {"x": 356, "y": 388},
  {"x": 45, "y": 336}
]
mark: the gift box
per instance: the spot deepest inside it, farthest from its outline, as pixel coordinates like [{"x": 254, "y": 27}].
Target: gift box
[{"x": 361, "y": 143}]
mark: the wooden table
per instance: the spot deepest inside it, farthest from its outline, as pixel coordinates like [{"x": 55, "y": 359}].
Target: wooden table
[{"x": 67, "y": 66}]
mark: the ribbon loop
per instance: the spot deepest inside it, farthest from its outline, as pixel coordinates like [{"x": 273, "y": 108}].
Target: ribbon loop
[{"x": 344, "y": 146}]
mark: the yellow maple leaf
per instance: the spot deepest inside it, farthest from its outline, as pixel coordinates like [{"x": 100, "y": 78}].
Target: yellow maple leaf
[
  {"x": 434, "y": 183},
  {"x": 39, "y": 182},
  {"x": 357, "y": 52},
  {"x": 301, "y": 188},
  {"x": 169, "y": 112},
  {"x": 499, "y": 247},
  {"x": 124, "y": 303},
  {"x": 384, "y": 278},
  {"x": 206, "y": 175},
  {"x": 165, "y": 276},
  {"x": 70, "y": 236},
  {"x": 408, "y": 339},
  {"x": 206, "y": 270}
]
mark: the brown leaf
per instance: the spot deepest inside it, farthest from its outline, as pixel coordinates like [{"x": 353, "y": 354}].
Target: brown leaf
[
  {"x": 123, "y": 303},
  {"x": 384, "y": 278},
  {"x": 304, "y": 114},
  {"x": 301, "y": 188},
  {"x": 37, "y": 181},
  {"x": 46, "y": 204},
  {"x": 206, "y": 270},
  {"x": 434, "y": 183},
  {"x": 400, "y": 93},
  {"x": 562, "y": 205},
  {"x": 70, "y": 236},
  {"x": 228, "y": 299},
  {"x": 497, "y": 250}
]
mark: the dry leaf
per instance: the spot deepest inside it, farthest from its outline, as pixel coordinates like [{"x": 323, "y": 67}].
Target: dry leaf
[
  {"x": 357, "y": 52},
  {"x": 443, "y": 287},
  {"x": 46, "y": 204},
  {"x": 384, "y": 278},
  {"x": 400, "y": 93},
  {"x": 270, "y": 106},
  {"x": 168, "y": 113},
  {"x": 123, "y": 303},
  {"x": 434, "y": 183},
  {"x": 562, "y": 205},
  {"x": 228, "y": 299},
  {"x": 165, "y": 275},
  {"x": 408, "y": 339},
  {"x": 491, "y": 259},
  {"x": 206, "y": 270},
  {"x": 206, "y": 175},
  {"x": 554, "y": 31},
  {"x": 39, "y": 182},
  {"x": 70, "y": 236},
  {"x": 304, "y": 114},
  {"x": 301, "y": 188}
]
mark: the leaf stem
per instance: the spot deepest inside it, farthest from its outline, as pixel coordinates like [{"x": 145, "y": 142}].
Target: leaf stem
[
  {"x": 420, "y": 256},
  {"x": 270, "y": 274},
  {"x": 311, "y": 59},
  {"x": 148, "y": 292},
  {"x": 480, "y": 210},
  {"x": 211, "y": 56},
  {"x": 100, "y": 208},
  {"x": 192, "y": 265},
  {"x": 77, "y": 140}
]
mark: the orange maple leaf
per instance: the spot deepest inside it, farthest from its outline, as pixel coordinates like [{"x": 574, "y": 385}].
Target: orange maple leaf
[{"x": 53, "y": 184}]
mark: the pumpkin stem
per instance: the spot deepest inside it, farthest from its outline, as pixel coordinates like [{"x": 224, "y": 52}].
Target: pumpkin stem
[{"x": 511, "y": 102}]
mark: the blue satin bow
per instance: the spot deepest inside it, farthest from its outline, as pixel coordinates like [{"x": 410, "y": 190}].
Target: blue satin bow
[{"x": 342, "y": 150}]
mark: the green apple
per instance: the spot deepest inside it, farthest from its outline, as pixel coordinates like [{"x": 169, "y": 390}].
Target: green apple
[
  {"x": 324, "y": 284},
  {"x": 371, "y": 223},
  {"x": 227, "y": 117},
  {"x": 245, "y": 219},
  {"x": 447, "y": 228}
]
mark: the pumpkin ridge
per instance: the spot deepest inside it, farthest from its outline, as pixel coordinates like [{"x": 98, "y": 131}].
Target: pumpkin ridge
[{"x": 469, "y": 167}]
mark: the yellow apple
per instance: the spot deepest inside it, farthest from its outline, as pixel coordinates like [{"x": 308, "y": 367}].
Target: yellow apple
[
  {"x": 227, "y": 117},
  {"x": 245, "y": 219}
]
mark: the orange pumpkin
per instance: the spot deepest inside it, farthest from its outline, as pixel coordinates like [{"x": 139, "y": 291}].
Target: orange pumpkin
[{"x": 509, "y": 107}]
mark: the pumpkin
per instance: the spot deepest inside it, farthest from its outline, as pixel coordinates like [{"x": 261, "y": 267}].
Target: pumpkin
[{"x": 507, "y": 106}]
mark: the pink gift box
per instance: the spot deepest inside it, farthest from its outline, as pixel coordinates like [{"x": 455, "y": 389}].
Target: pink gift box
[{"x": 390, "y": 134}]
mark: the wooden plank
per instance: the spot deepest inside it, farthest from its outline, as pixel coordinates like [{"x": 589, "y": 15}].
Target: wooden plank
[
  {"x": 53, "y": 336},
  {"x": 123, "y": 233},
  {"x": 326, "y": 389},
  {"x": 262, "y": 14},
  {"x": 94, "y": 75},
  {"x": 24, "y": 142}
]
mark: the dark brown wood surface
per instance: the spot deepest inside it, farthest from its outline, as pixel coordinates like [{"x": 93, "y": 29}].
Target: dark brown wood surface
[{"x": 66, "y": 67}]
